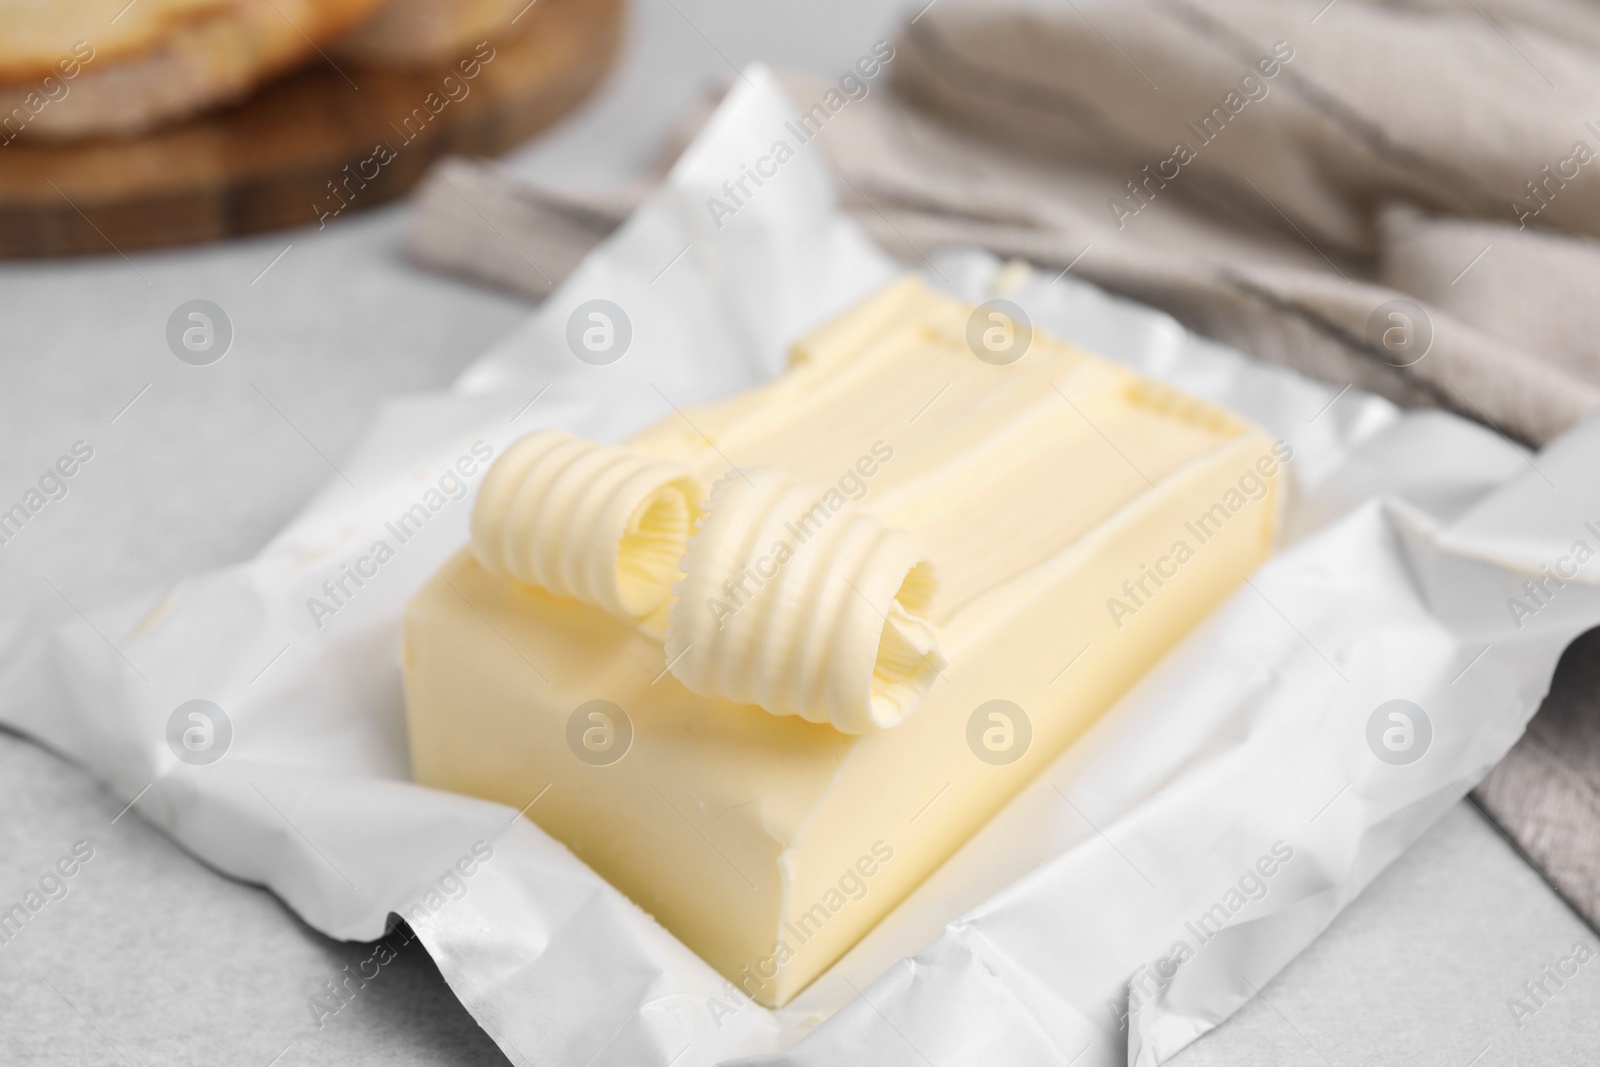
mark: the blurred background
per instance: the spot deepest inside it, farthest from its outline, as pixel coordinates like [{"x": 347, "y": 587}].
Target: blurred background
[{"x": 358, "y": 198}]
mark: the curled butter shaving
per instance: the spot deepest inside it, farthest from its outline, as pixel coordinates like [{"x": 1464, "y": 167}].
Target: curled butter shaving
[
  {"x": 803, "y": 609},
  {"x": 598, "y": 523}
]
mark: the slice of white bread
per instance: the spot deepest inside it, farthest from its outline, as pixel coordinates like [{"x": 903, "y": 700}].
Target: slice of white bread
[
  {"x": 95, "y": 67},
  {"x": 427, "y": 32}
]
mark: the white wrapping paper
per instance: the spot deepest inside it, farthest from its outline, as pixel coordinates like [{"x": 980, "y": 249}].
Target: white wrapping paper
[{"x": 1247, "y": 749}]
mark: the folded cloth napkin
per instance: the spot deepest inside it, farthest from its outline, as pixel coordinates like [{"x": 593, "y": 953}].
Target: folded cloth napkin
[{"x": 1401, "y": 196}]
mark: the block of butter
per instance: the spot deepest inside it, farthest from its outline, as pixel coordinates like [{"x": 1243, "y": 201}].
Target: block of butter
[{"x": 772, "y": 661}]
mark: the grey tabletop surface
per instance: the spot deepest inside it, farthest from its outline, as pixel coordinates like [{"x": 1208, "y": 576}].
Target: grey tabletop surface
[{"x": 152, "y": 958}]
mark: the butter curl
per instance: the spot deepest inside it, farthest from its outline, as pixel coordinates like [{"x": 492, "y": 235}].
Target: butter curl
[
  {"x": 794, "y": 600},
  {"x": 598, "y": 523}
]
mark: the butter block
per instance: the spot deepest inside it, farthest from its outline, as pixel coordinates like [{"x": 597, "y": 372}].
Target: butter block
[{"x": 1071, "y": 521}]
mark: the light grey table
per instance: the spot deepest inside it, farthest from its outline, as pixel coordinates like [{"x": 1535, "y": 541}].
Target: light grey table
[{"x": 151, "y": 958}]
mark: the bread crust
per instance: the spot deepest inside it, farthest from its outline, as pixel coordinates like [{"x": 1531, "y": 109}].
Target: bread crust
[
  {"x": 428, "y": 32},
  {"x": 160, "y": 60}
]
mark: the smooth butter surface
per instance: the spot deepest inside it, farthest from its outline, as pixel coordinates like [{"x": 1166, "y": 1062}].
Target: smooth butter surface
[{"x": 1074, "y": 514}]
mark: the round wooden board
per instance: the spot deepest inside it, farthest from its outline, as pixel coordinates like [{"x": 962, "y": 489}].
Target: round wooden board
[{"x": 317, "y": 143}]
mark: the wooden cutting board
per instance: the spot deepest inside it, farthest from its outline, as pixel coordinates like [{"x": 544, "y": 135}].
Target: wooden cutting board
[{"x": 311, "y": 147}]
